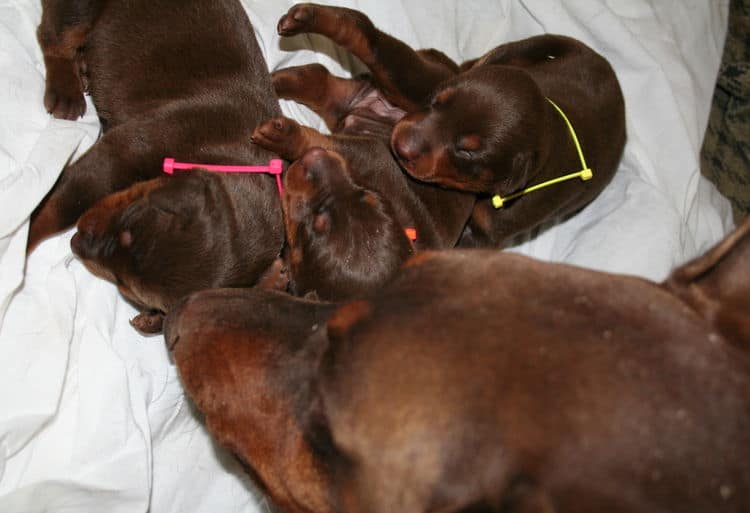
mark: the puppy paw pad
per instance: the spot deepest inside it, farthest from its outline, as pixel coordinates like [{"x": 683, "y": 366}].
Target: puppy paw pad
[{"x": 296, "y": 20}]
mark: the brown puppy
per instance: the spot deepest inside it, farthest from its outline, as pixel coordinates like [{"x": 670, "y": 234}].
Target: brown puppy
[
  {"x": 343, "y": 240},
  {"x": 491, "y": 129},
  {"x": 531, "y": 387},
  {"x": 190, "y": 83},
  {"x": 250, "y": 388},
  {"x": 361, "y": 121},
  {"x": 437, "y": 214},
  {"x": 352, "y": 227}
]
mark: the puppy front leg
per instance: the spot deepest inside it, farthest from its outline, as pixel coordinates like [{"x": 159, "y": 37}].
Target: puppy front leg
[
  {"x": 406, "y": 77},
  {"x": 62, "y": 32},
  {"x": 288, "y": 139}
]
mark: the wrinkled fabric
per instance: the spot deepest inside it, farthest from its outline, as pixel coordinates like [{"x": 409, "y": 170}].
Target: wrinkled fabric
[{"x": 92, "y": 415}]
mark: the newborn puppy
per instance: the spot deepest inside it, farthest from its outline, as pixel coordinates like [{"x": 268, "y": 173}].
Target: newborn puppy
[
  {"x": 348, "y": 207},
  {"x": 343, "y": 240},
  {"x": 438, "y": 215},
  {"x": 348, "y": 249},
  {"x": 571, "y": 390},
  {"x": 161, "y": 239},
  {"x": 509, "y": 120},
  {"x": 194, "y": 94}
]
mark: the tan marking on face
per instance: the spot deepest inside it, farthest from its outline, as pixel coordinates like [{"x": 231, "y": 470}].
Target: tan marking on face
[
  {"x": 445, "y": 95},
  {"x": 371, "y": 199},
  {"x": 470, "y": 142},
  {"x": 296, "y": 256}
]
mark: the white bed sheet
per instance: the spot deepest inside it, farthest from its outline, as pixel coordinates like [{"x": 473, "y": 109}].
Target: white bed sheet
[{"x": 92, "y": 415}]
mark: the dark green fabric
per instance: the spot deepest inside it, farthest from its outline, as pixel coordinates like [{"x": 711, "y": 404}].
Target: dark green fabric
[{"x": 726, "y": 147}]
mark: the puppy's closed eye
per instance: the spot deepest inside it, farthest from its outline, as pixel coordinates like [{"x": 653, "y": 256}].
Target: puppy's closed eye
[
  {"x": 443, "y": 98},
  {"x": 470, "y": 142},
  {"x": 467, "y": 145}
]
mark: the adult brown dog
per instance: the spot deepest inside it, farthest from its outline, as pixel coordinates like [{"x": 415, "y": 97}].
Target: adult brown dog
[
  {"x": 347, "y": 203},
  {"x": 492, "y": 129},
  {"x": 529, "y": 387},
  {"x": 184, "y": 79}
]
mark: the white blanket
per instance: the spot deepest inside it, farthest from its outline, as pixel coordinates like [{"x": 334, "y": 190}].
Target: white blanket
[{"x": 92, "y": 415}]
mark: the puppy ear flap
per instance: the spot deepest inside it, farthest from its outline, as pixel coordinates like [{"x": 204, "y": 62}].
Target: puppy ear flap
[
  {"x": 183, "y": 194},
  {"x": 717, "y": 284},
  {"x": 523, "y": 163}
]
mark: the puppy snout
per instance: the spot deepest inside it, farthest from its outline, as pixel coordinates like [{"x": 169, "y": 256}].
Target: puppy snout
[
  {"x": 83, "y": 241},
  {"x": 407, "y": 148},
  {"x": 78, "y": 243}
]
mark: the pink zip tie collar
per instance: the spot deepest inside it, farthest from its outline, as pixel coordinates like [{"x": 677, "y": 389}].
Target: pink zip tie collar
[{"x": 274, "y": 167}]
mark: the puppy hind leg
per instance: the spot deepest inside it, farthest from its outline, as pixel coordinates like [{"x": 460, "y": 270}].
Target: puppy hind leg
[
  {"x": 62, "y": 32},
  {"x": 405, "y": 76}
]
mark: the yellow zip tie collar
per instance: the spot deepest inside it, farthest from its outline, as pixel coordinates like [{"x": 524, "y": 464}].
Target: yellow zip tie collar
[{"x": 584, "y": 174}]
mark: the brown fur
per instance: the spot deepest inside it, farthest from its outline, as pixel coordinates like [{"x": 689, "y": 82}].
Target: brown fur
[
  {"x": 350, "y": 182},
  {"x": 343, "y": 240},
  {"x": 486, "y": 127},
  {"x": 184, "y": 79},
  {"x": 247, "y": 392},
  {"x": 531, "y": 386}
]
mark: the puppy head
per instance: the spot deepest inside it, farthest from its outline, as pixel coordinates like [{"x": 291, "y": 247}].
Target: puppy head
[
  {"x": 482, "y": 132},
  {"x": 162, "y": 239},
  {"x": 343, "y": 240}
]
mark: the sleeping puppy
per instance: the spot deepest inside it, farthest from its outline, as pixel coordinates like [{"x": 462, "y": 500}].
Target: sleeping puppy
[
  {"x": 189, "y": 83},
  {"x": 437, "y": 214},
  {"x": 510, "y": 120},
  {"x": 343, "y": 241},
  {"x": 572, "y": 390},
  {"x": 161, "y": 239},
  {"x": 257, "y": 384},
  {"x": 349, "y": 205}
]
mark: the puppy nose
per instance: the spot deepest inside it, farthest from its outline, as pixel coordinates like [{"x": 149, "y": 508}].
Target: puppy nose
[{"x": 407, "y": 148}]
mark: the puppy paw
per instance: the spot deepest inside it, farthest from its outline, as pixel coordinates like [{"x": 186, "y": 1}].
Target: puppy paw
[
  {"x": 282, "y": 136},
  {"x": 276, "y": 277},
  {"x": 297, "y": 20},
  {"x": 63, "y": 95},
  {"x": 148, "y": 323},
  {"x": 296, "y": 82}
]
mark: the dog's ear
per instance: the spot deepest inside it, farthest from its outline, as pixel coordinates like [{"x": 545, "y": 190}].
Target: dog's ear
[
  {"x": 717, "y": 285},
  {"x": 184, "y": 194},
  {"x": 523, "y": 163}
]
